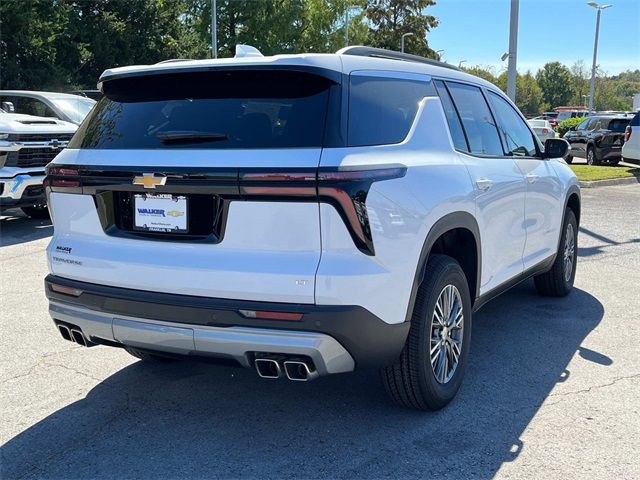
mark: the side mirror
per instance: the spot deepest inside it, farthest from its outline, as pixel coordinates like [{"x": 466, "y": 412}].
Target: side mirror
[
  {"x": 556, "y": 148},
  {"x": 8, "y": 107}
]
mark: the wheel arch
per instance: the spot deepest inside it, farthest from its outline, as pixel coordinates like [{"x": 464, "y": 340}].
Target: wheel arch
[{"x": 462, "y": 227}]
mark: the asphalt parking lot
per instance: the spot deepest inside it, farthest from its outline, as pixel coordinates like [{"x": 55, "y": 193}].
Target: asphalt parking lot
[{"x": 552, "y": 390}]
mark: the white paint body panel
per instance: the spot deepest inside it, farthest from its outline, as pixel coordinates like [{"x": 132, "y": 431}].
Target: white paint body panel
[{"x": 302, "y": 252}]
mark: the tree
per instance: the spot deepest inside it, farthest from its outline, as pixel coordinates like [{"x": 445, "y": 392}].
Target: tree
[
  {"x": 529, "y": 98},
  {"x": 555, "y": 81},
  {"x": 390, "y": 19},
  {"x": 487, "y": 73}
]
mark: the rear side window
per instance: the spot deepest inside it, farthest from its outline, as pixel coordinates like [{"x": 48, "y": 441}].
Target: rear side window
[
  {"x": 382, "y": 109},
  {"x": 516, "y": 136},
  {"x": 477, "y": 120},
  {"x": 618, "y": 125},
  {"x": 455, "y": 127},
  {"x": 229, "y": 109}
]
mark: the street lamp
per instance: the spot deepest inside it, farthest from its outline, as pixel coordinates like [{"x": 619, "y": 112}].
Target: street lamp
[
  {"x": 592, "y": 87},
  {"x": 439, "y": 53},
  {"x": 214, "y": 29},
  {"x": 460, "y": 63},
  {"x": 512, "y": 71},
  {"x": 409, "y": 34}
]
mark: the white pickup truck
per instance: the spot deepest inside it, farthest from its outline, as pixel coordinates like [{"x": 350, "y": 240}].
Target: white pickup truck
[{"x": 27, "y": 145}]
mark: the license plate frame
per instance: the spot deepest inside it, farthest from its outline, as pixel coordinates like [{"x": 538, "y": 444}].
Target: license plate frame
[{"x": 160, "y": 213}]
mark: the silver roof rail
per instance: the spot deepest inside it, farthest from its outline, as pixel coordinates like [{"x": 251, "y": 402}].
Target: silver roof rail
[
  {"x": 172, "y": 60},
  {"x": 361, "y": 51}
]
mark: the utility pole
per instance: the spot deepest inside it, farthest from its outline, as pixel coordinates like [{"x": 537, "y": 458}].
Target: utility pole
[
  {"x": 592, "y": 86},
  {"x": 346, "y": 26},
  {"x": 214, "y": 29},
  {"x": 513, "y": 50}
]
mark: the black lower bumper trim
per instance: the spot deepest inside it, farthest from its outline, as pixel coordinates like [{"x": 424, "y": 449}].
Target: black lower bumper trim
[{"x": 369, "y": 340}]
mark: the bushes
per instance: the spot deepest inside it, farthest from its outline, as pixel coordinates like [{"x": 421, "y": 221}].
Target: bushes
[{"x": 564, "y": 126}]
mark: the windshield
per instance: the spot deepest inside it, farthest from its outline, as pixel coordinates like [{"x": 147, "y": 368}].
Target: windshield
[
  {"x": 76, "y": 109},
  {"x": 222, "y": 110}
]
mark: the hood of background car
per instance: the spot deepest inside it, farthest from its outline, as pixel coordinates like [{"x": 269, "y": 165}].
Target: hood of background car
[{"x": 19, "y": 123}]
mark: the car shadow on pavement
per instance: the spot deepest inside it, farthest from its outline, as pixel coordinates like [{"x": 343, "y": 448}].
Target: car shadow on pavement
[
  {"x": 17, "y": 228},
  {"x": 190, "y": 419}
]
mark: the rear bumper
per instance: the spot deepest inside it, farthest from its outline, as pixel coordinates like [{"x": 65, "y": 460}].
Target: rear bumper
[
  {"x": 610, "y": 152},
  {"x": 337, "y": 338}
]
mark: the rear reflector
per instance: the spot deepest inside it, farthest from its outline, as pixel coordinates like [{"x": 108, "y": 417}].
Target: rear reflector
[
  {"x": 74, "y": 292},
  {"x": 264, "y": 315}
]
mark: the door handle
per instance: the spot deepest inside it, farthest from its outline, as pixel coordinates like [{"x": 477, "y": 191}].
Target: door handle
[
  {"x": 484, "y": 184},
  {"x": 532, "y": 178}
]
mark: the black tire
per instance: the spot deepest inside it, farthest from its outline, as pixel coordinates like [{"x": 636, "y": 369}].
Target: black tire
[
  {"x": 569, "y": 159},
  {"x": 592, "y": 158},
  {"x": 555, "y": 282},
  {"x": 411, "y": 381},
  {"x": 147, "y": 356},
  {"x": 40, "y": 212}
]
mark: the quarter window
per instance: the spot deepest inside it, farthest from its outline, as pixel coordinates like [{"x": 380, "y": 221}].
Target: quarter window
[
  {"x": 516, "y": 136},
  {"x": 382, "y": 109},
  {"x": 477, "y": 119},
  {"x": 455, "y": 126}
]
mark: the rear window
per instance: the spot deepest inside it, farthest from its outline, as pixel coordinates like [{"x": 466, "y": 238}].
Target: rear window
[
  {"x": 382, "y": 108},
  {"x": 230, "y": 109},
  {"x": 618, "y": 125}
]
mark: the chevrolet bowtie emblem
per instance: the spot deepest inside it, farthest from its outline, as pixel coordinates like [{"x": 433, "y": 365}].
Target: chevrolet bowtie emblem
[{"x": 150, "y": 180}]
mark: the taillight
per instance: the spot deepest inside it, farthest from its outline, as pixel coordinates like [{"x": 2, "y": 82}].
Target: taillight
[
  {"x": 345, "y": 189},
  {"x": 62, "y": 177},
  {"x": 627, "y": 133}
]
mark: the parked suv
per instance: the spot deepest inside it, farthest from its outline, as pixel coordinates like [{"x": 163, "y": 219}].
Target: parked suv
[
  {"x": 631, "y": 148},
  {"x": 598, "y": 139},
  {"x": 27, "y": 144},
  {"x": 305, "y": 215}
]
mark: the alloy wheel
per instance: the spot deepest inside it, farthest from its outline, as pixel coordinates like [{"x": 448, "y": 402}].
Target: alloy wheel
[
  {"x": 569, "y": 252},
  {"x": 447, "y": 324}
]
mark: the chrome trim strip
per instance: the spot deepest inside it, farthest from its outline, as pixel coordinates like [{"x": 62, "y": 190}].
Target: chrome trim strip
[{"x": 328, "y": 355}]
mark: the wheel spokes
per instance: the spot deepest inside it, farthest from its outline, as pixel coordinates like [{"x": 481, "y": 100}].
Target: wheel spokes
[{"x": 447, "y": 325}]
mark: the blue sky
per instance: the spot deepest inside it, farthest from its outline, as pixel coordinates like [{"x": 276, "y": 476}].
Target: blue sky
[{"x": 478, "y": 31}]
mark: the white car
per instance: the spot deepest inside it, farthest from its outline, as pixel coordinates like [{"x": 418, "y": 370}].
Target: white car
[
  {"x": 27, "y": 145},
  {"x": 542, "y": 128},
  {"x": 631, "y": 147},
  {"x": 305, "y": 215},
  {"x": 63, "y": 106}
]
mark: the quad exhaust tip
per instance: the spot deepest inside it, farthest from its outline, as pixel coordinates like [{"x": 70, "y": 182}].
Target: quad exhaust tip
[
  {"x": 74, "y": 334},
  {"x": 279, "y": 366},
  {"x": 65, "y": 332},
  {"x": 268, "y": 368},
  {"x": 300, "y": 370},
  {"x": 78, "y": 337}
]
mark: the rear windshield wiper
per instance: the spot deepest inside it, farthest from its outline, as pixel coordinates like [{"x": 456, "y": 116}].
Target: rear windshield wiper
[{"x": 189, "y": 136}]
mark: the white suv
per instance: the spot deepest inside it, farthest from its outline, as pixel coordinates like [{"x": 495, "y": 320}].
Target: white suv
[{"x": 305, "y": 215}]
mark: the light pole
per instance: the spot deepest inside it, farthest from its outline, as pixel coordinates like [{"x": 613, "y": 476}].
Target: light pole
[
  {"x": 513, "y": 50},
  {"x": 440, "y": 53},
  {"x": 592, "y": 87},
  {"x": 409, "y": 34},
  {"x": 460, "y": 63},
  {"x": 214, "y": 29}
]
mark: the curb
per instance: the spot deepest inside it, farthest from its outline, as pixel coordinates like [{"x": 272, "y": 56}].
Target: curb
[{"x": 610, "y": 182}]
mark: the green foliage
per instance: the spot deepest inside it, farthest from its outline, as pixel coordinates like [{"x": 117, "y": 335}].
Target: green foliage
[
  {"x": 555, "y": 81},
  {"x": 485, "y": 73},
  {"x": 390, "y": 19},
  {"x": 565, "y": 125}
]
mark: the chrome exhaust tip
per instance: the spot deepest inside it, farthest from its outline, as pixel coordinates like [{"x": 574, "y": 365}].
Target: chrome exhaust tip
[
  {"x": 268, "y": 368},
  {"x": 300, "y": 370},
  {"x": 78, "y": 337},
  {"x": 65, "y": 332}
]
